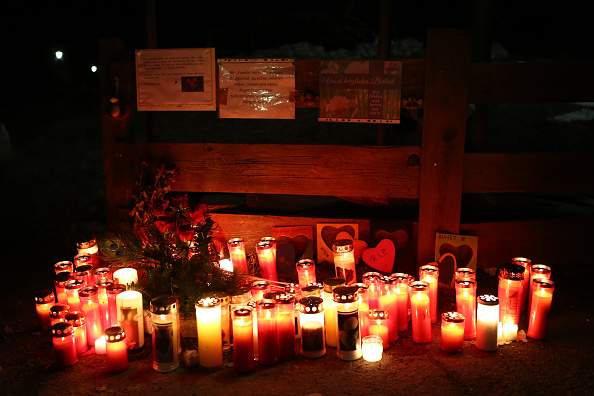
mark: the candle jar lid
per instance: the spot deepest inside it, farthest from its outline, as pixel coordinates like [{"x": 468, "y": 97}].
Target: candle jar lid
[
  {"x": 453, "y": 317},
  {"x": 87, "y": 243},
  {"x": 419, "y": 286},
  {"x": 62, "y": 329},
  {"x": 260, "y": 285},
  {"x": 223, "y": 296},
  {"x": 284, "y": 298},
  {"x": 345, "y": 294},
  {"x": 234, "y": 242},
  {"x": 272, "y": 295},
  {"x": 511, "y": 272},
  {"x": 466, "y": 283},
  {"x": 64, "y": 265},
  {"x": 523, "y": 261},
  {"x": 101, "y": 271},
  {"x": 342, "y": 246},
  {"x": 61, "y": 279},
  {"x": 74, "y": 284},
  {"x": 428, "y": 268},
  {"x": 88, "y": 291},
  {"x": 543, "y": 283},
  {"x": 163, "y": 305},
  {"x": 84, "y": 268},
  {"x": 75, "y": 318},
  {"x": 241, "y": 295},
  {"x": 487, "y": 299},
  {"x": 58, "y": 311},
  {"x": 311, "y": 305},
  {"x": 332, "y": 282},
  {"x": 115, "y": 288},
  {"x": 378, "y": 314},
  {"x": 45, "y": 297},
  {"x": 305, "y": 263},
  {"x": 103, "y": 283},
  {"x": 243, "y": 311},
  {"x": 540, "y": 269},
  {"x": 371, "y": 276},
  {"x": 266, "y": 304},
  {"x": 115, "y": 334},
  {"x": 208, "y": 302}
]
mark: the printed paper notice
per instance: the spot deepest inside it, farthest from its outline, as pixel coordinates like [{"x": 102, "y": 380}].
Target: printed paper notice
[
  {"x": 256, "y": 88},
  {"x": 176, "y": 79},
  {"x": 360, "y": 91}
]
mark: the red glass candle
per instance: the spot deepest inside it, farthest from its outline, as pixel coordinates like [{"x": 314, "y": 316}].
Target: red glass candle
[
  {"x": 306, "y": 272},
  {"x": 77, "y": 320},
  {"x": 363, "y": 308},
  {"x": 420, "y": 312},
  {"x": 402, "y": 299},
  {"x": 267, "y": 332},
  {"x": 89, "y": 246},
  {"x": 373, "y": 282},
  {"x": 88, "y": 277},
  {"x": 466, "y": 305},
  {"x": 116, "y": 349},
  {"x": 452, "y": 332},
  {"x": 72, "y": 288},
  {"x": 102, "y": 285},
  {"x": 285, "y": 326},
  {"x": 430, "y": 274},
  {"x": 542, "y": 298},
  {"x": 44, "y": 300},
  {"x": 465, "y": 273},
  {"x": 258, "y": 289},
  {"x": 510, "y": 293},
  {"x": 60, "y": 286},
  {"x": 64, "y": 344},
  {"x": 243, "y": 340},
  {"x": 112, "y": 292},
  {"x": 236, "y": 247},
  {"x": 537, "y": 271},
  {"x": 267, "y": 260},
  {"x": 82, "y": 259},
  {"x": 89, "y": 300},
  {"x": 388, "y": 302},
  {"x": 527, "y": 264},
  {"x": 379, "y": 326},
  {"x": 58, "y": 313},
  {"x": 62, "y": 266},
  {"x": 102, "y": 273}
]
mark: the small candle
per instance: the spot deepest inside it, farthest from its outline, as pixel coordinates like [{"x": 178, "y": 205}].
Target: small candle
[
  {"x": 100, "y": 346},
  {"x": 526, "y": 263},
  {"x": 537, "y": 271},
  {"x": 311, "y": 318},
  {"x": 388, "y": 302},
  {"x": 102, "y": 285},
  {"x": 267, "y": 259},
  {"x": 72, "y": 288},
  {"x": 89, "y": 299},
  {"x": 58, "y": 313},
  {"x": 373, "y": 282},
  {"x": 60, "y": 286},
  {"x": 542, "y": 298},
  {"x": 402, "y": 300},
  {"x": 126, "y": 276},
  {"x": 509, "y": 331},
  {"x": 344, "y": 260},
  {"x": 44, "y": 300},
  {"x": 243, "y": 340},
  {"x": 452, "y": 332},
  {"x": 430, "y": 274},
  {"x": 208, "y": 326},
  {"x": 466, "y": 305},
  {"x": 372, "y": 348},
  {"x": 306, "y": 272},
  {"x": 237, "y": 255},
  {"x": 267, "y": 332},
  {"x": 487, "y": 320},
  {"x": 285, "y": 326},
  {"x": 378, "y": 325},
  {"x": 77, "y": 320},
  {"x": 63, "y": 266},
  {"x": 131, "y": 319},
  {"x": 64, "y": 344},
  {"x": 330, "y": 310},
  {"x": 420, "y": 311},
  {"x": 116, "y": 349}
]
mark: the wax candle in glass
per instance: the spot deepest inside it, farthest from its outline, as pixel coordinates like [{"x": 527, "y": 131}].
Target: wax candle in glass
[
  {"x": 236, "y": 247},
  {"x": 388, "y": 302},
  {"x": 82, "y": 259},
  {"x": 295, "y": 291},
  {"x": 243, "y": 339},
  {"x": 487, "y": 322},
  {"x": 87, "y": 274},
  {"x": 379, "y": 326},
  {"x": 402, "y": 300},
  {"x": 116, "y": 349},
  {"x": 527, "y": 264},
  {"x": 225, "y": 299},
  {"x": 208, "y": 326},
  {"x": 346, "y": 299},
  {"x": 89, "y": 299},
  {"x": 306, "y": 272},
  {"x": 60, "y": 286},
  {"x": 372, "y": 348},
  {"x": 77, "y": 320},
  {"x": 126, "y": 276},
  {"x": 466, "y": 305},
  {"x": 313, "y": 290},
  {"x": 373, "y": 281},
  {"x": 311, "y": 318},
  {"x": 285, "y": 326},
  {"x": 58, "y": 313},
  {"x": 542, "y": 298},
  {"x": 330, "y": 309},
  {"x": 64, "y": 344},
  {"x": 72, "y": 287},
  {"x": 510, "y": 293},
  {"x": 430, "y": 274},
  {"x": 131, "y": 318},
  {"x": 44, "y": 300},
  {"x": 267, "y": 332},
  {"x": 102, "y": 285},
  {"x": 537, "y": 271},
  {"x": 102, "y": 273},
  {"x": 259, "y": 288},
  {"x": 164, "y": 315},
  {"x": 62, "y": 266},
  {"x": 112, "y": 291},
  {"x": 420, "y": 312},
  {"x": 267, "y": 260},
  {"x": 452, "y": 332},
  {"x": 465, "y": 273},
  {"x": 100, "y": 346},
  {"x": 363, "y": 290},
  {"x": 239, "y": 297},
  {"x": 344, "y": 260},
  {"x": 89, "y": 246}
]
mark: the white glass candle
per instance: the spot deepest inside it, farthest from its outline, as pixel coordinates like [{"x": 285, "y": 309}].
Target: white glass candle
[
  {"x": 131, "y": 318},
  {"x": 311, "y": 318},
  {"x": 372, "y": 348},
  {"x": 208, "y": 326},
  {"x": 126, "y": 276},
  {"x": 344, "y": 260},
  {"x": 487, "y": 321}
]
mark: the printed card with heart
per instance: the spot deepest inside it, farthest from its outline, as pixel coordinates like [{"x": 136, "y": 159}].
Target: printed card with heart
[
  {"x": 293, "y": 243},
  {"x": 463, "y": 248},
  {"x": 327, "y": 233}
]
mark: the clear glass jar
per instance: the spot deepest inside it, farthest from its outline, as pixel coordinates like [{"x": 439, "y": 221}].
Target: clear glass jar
[
  {"x": 64, "y": 344},
  {"x": 82, "y": 259},
  {"x": 373, "y": 281},
  {"x": 430, "y": 274},
  {"x": 267, "y": 259},
  {"x": 259, "y": 288},
  {"x": 306, "y": 272},
  {"x": 466, "y": 305},
  {"x": 330, "y": 309},
  {"x": 44, "y": 300},
  {"x": 88, "y": 276},
  {"x": 89, "y": 300},
  {"x": 285, "y": 326},
  {"x": 225, "y": 299},
  {"x": 62, "y": 266},
  {"x": 60, "y": 286},
  {"x": 101, "y": 273},
  {"x": 402, "y": 299},
  {"x": 465, "y": 273},
  {"x": 388, "y": 302},
  {"x": 379, "y": 325},
  {"x": 208, "y": 326},
  {"x": 347, "y": 312},
  {"x": 267, "y": 332},
  {"x": 344, "y": 260},
  {"x": 116, "y": 349},
  {"x": 527, "y": 264},
  {"x": 104, "y": 301},
  {"x": 77, "y": 320},
  {"x": 58, "y": 313},
  {"x": 164, "y": 315},
  {"x": 509, "y": 293},
  {"x": 452, "y": 332},
  {"x": 311, "y": 318},
  {"x": 487, "y": 322},
  {"x": 72, "y": 287},
  {"x": 363, "y": 290},
  {"x": 420, "y": 312},
  {"x": 542, "y": 298},
  {"x": 372, "y": 347},
  {"x": 236, "y": 247},
  {"x": 537, "y": 271},
  {"x": 243, "y": 339}
]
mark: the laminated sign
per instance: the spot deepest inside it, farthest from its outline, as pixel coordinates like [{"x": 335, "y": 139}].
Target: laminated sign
[{"x": 360, "y": 91}]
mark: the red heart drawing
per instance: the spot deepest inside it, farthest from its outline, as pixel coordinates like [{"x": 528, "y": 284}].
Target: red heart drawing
[
  {"x": 463, "y": 253},
  {"x": 329, "y": 233},
  {"x": 399, "y": 237},
  {"x": 381, "y": 257}
]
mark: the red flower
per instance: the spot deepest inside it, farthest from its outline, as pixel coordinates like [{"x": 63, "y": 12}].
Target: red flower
[
  {"x": 185, "y": 233},
  {"x": 159, "y": 206},
  {"x": 195, "y": 214},
  {"x": 181, "y": 202},
  {"x": 165, "y": 225},
  {"x": 144, "y": 234}
]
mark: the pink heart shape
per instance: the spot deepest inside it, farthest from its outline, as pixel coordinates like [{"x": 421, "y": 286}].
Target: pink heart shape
[{"x": 381, "y": 257}]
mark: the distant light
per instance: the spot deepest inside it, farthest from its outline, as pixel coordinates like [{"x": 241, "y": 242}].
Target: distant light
[
  {"x": 59, "y": 55},
  {"x": 94, "y": 69}
]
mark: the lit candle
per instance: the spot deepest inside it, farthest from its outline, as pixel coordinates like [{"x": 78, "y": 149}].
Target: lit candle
[
  {"x": 86, "y": 274},
  {"x": 306, "y": 272},
  {"x": 509, "y": 331},
  {"x": 89, "y": 299},
  {"x": 330, "y": 310},
  {"x": 116, "y": 349},
  {"x": 60, "y": 286},
  {"x": 487, "y": 320},
  {"x": 63, "y": 266},
  {"x": 112, "y": 291},
  {"x": 225, "y": 299},
  {"x": 285, "y": 326},
  {"x": 226, "y": 265},
  {"x": 373, "y": 280},
  {"x": 372, "y": 348},
  {"x": 378, "y": 325},
  {"x": 452, "y": 332},
  {"x": 312, "y": 290},
  {"x": 344, "y": 260},
  {"x": 526, "y": 263},
  {"x": 402, "y": 300},
  {"x": 465, "y": 273},
  {"x": 542, "y": 297},
  {"x": 89, "y": 247},
  {"x": 466, "y": 305},
  {"x": 58, "y": 313},
  {"x": 102, "y": 285},
  {"x": 237, "y": 255},
  {"x": 100, "y": 346},
  {"x": 64, "y": 344},
  {"x": 267, "y": 332},
  {"x": 164, "y": 312},
  {"x": 82, "y": 259},
  {"x": 258, "y": 289},
  {"x": 387, "y": 302},
  {"x": 510, "y": 293},
  {"x": 131, "y": 319},
  {"x": 346, "y": 300},
  {"x": 311, "y": 318},
  {"x": 420, "y": 312},
  {"x": 126, "y": 276},
  {"x": 267, "y": 259},
  {"x": 363, "y": 308},
  {"x": 101, "y": 273},
  {"x": 295, "y": 291},
  {"x": 208, "y": 326},
  {"x": 243, "y": 339},
  {"x": 77, "y": 320},
  {"x": 537, "y": 271},
  {"x": 430, "y": 274},
  {"x": 72, "y": 288},
  {"x": 44, "y": 300}
]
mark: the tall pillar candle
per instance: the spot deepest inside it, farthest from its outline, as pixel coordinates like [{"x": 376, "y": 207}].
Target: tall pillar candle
[
  {"x": 379, "y": 326},
  {"x": 126, "y": 276},
  {"x": 373, "y": 281},
  {"x": 102, "y": 285},
  {"x": 236, "y": 247},
  {"x": 44, "y": 300},
  {"x": 527, "y": 264},
  {"x": 267, "y": 260},
  {"x": 311, "y": 319},
  {"x": 347, "y": 323},
  {"x": 452, "y": 332},
  {"x": 131, "y": 319},
  {"x": 306, "y": 272},
  {"x": 208, "y": 326},
  {"x": 487, "y": 322},
  {"x": 165, "y": 337},
  {"x": 112, "y": 291},
  {"x": 64, "y": 344},
  {"x": 420, "y": 312},
  {"x": 466, "y": 305},
  {"x": 116, "y": 349},
  {"x": 267, "y": 332},
  {"x": 77, "y": 320},
  {"x": 225, "y": 299},
  {"x": 72, "y": 287},
  {"x": 285, "y": 326},
  {"x": 430, "y": 274},
  {"x": 542, "y": 298},
  {"x": 363, "y": 308},
  {"x": 344, "y": 260},
  {"x": 387, "y": 302},
  {"x": 243, "y": 339},
  {"x": 510, "y": 293},
  {"x": 537, "y": 271},
  {"x": 330, "y": 310},
  {"x": 402, "y": 299},
  {"x": 89, "y": 299}
]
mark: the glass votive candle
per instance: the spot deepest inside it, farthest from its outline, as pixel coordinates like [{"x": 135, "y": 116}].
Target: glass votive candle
[
  {"x": 64, "y": 344},
  {"x": 82, "y": 259},
  {"x": 116, "y": 349},
  {"x": 379, "y": 325},
  {"x": 487, "y": 322},
  {"x": 259, "y": 288},
  {"x": 102, "y": 273},
  {"x": 542, "y": 298},
  {"x": 58, "y": 313},
  {"x": 130, "y": 316},
  {"x": 388, "y": 302},
  {"x": 311, "y": 319},
  {"x": 285, "y": 326},
  {"x": 112, "y": 291},
  {"x": 465, "y": 273},
  {"x": 402, "y": 300},
  {"x": 452, "y": 332},
  {"x": 225, "y": 299},
  {"x": 510, "y": 293},
  {"x": 77, "y": 320},
  {"x": 102, "y": 285},
  {"x": 62, "y": 266},
  {"x": 372, "y": 348},
  {"x": 306, "y": 272},
  {"x": 295, "y": 291},
  {"x": 236, "y": 247},
  {"x": 466, "y": 305},
  {"x": 126, "y": 276},
  {"x": 72, "y": 287},
  {"x": 430, "y": 274},
  {"x": 208, "y": 326},
  {"x": 537, "y": 271},
  {"x": 344, "y": 260},
  {"x": 267, "y": 332},
  {"x": 89, "y": 247},
  {"x": 89, "y": 300},
  {"x": 330, "y": 309},
  {"x": 373, "y": 282},
  {"x": 60, "y": 286},
  {"x": 243, "y": 339},
  {"x": 420, "y": 312},
  {"x": 44, "y": 300},
  {"x": 526, "y": 263},
  {"x": 346, "y": 300},
  {"x": 267, "y": 259},
  {"x": 87, "y": 271},
  {"x": 164, "y": 315},
  {"x": 312, "y": 290},
  {"x": 363, "y": 308}
]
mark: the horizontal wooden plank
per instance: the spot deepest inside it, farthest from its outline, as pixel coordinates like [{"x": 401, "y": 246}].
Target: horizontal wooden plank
[
  {"x": 531, "y": 82},
  {"x": 531, "y": 172},
  {"x": 388, "y": 172}
]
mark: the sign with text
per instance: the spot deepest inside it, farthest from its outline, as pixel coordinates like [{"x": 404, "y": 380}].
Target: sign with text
[
  {"x": 360, "y": 91},
  {"x": 256, "y": 88},
  {"x": 175, "y": 79},
  {"x": 462, "y": 247}
]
